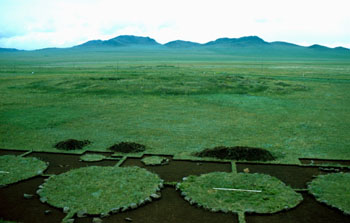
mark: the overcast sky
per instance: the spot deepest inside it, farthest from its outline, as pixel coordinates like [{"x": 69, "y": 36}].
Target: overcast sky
[{"x": 33, "y": 24}]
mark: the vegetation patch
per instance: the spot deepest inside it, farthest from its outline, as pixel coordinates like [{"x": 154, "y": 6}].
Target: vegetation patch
[
  {"x": 128, "y": 147},
  {"x": 332, "y": 189},
  {"x": 106, "y": 78},
  {"x": 72, "y": 144},
  {"x": 155, "y": 160},
  {"x": 239, "y": 193},
  {"x": 100, "y": 190},
  {"x": 3, "y": 221},
  {"x": 16, "y": 168},
  {"x": 92, "y": 157},
  {"x": 237, "y": 153}
]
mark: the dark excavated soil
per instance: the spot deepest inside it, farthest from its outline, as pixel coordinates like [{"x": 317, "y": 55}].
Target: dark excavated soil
[
  {"x": 177, "y": 169},
  {"x": 128, "y": 147},
  {"x": 292, "y": 175},
  {"x": 309, "y": 211},
  {"x": 107, "y": 154},
  {"x": 72, "y": 144},
  {"x": 237, "y": 153},
  {"x": 60, "y": 163},
  {"x": 15, "y": 207},
  {"x": 11, "y": 152},
  {"x": 171, "y": 208},
  {"x": 324, "y": 161}
]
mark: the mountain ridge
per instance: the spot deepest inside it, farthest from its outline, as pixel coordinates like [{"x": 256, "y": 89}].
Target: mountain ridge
[
  {"x": 122, "y": 41},
  {"x": 245, "y": 41},
  {"x": 181, "y": 44},
  {"x": 249, "y": 43}
]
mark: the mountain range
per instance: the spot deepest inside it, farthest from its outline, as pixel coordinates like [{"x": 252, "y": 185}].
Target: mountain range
[
  {"x": 248, "y": 41},
  {"x": 245, "y": 46}
]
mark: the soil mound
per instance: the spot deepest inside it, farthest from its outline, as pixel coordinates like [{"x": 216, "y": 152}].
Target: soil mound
[
  {"x": 237, "y": 153},
  {"x": 72, "y": 144},
  {"x": 128, "y": 147}
]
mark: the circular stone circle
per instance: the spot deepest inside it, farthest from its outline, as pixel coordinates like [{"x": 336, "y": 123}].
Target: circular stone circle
[
  {"x": 100, "y": 190},
  {"x": 332, "y": 189},
  {"x": 17, "y": 168},
  {"x": 274, "y": 196}
]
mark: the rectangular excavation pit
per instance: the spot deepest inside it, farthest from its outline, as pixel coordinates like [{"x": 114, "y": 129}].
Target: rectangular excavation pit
[
  {"x": 15, "y": 207},
  {"x": 314, "y": 161},
  {"x": 308, "y": 211},
  {"x": 292, "y": 175},
  {"x": 12, "y": 152},
  {"x": 171, "y": 208},
  {"x": 177, "y": 169},
  {"x": 60, "y": 163},
  {"x": 107, "y": 154}
]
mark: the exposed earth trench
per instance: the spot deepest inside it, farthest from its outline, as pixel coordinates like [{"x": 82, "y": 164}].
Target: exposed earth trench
[{"x": 171, "y": 207}]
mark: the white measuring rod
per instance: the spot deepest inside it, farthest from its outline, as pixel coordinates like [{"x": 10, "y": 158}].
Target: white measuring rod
[{"x": 232, "y": 189}]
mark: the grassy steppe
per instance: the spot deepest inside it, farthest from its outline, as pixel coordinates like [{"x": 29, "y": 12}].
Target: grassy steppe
[{"x": 176, "y": 102}]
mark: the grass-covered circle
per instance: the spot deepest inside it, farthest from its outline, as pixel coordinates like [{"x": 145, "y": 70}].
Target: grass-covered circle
[
  {"x": 100, "y": 190},
  {"x": 332, "y": 189},
  {"x": 16, "y": 168},
  {"x": 274, "y": 196}
]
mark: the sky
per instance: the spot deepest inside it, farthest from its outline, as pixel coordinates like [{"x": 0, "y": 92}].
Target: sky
[{"x": 35, "y": 24}]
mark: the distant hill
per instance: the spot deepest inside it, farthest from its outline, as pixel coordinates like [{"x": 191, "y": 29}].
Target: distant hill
[
  {"x": 343, "y": 49},
  {"x": 319, "y": 47},
  {"x": 122, "y": 41},
  {"x": 255, "y": 46},
  {"x": 8, "y": 49},
  {"x": 181, "y": 44},
  {"x": 240, "y": 42},
  {"x": 284, "y": 44}
]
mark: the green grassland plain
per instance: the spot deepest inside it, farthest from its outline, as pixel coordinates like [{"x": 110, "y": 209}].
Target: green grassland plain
[{"x": 176, "y": 102}]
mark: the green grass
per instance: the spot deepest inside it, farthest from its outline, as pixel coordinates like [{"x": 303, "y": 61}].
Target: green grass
[
  {"x": 16, "y": 168},
  {"x": 176, "y": 103},
  {"x": 3, "y": 221},
  {"x": 92, "y": 157},
  {"x": 274, "y": 196},
  {"x": 332, "y": 189},
  {"x": 100, "y": 190},
  {"x": 155, "y": 160}
]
